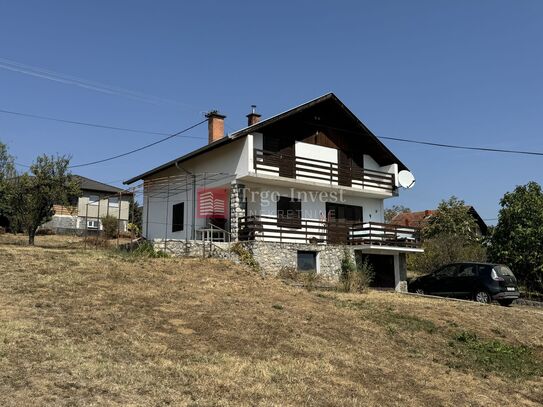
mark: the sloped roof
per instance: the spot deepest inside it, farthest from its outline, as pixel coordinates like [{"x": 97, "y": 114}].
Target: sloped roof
[
  {"x": 92, "y": 185},
  {"x": 414, "y": 219},
  {"x": 418, "y": 219},
  {"x": 260, "y": 125}
]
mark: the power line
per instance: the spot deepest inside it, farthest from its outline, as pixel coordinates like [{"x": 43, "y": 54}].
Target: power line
[
  {"x": 101, "y": 126},
  {"x": 428, "y": 143},
  {"x": 494, "y": 150},
  {"x": 43, "y": 73},
  {"x": 140, "y": 148}
]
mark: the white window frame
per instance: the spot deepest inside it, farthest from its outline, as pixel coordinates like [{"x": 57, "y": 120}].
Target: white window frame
[{"x": 93, "y": 224}]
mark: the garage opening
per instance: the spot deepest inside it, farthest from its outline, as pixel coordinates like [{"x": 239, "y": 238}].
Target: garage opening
[{"x": 383, "y": 267}]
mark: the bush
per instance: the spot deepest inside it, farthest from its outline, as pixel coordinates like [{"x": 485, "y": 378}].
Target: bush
[
  {"x": 353, "y": 278},
  {"x": 445, "y": 249},
  {"x": 309, "y": 279},
  {"x": 44, "y": 232},
  {"x": 146, "y": 249},
  {"x": 245, "y": 256},
  {"x": 110, "y": 226}
]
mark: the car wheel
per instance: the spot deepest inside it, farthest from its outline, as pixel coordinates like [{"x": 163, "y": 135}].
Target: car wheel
[
  {"x": 483, "y": 297},
  {"x": 419, "y": 291},
  {"x": 505, "y": 303}
]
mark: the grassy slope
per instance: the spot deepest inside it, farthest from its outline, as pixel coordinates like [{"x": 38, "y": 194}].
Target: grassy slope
[{"x": 93, "y": 328}]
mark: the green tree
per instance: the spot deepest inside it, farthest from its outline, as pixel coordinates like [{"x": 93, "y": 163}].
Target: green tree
[
  {"x": 136, "y": 213},
  {"x": 452, "y": 217},
  {"x": 7, "y": 173},
  {"x": 517, "y": 240},
  {"x": 451, "y": 235},
  {"x": 32, "y": 196},
  {"x": 390, "y": 213}
]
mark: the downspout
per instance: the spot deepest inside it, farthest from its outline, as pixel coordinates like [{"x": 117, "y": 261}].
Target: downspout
[{"x": 193, "y": 206}]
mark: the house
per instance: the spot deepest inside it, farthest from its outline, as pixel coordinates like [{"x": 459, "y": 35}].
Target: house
[
  {"x": 421, "y": 218},
  {"x": 296, "y": 190},
  {"x": 96, "y": 201}
]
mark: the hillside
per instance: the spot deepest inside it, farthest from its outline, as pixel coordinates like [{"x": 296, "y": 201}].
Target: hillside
[{"x": 93, "y": 327}]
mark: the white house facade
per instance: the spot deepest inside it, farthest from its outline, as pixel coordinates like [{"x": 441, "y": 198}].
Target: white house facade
[{"x": 296, "y": 189}]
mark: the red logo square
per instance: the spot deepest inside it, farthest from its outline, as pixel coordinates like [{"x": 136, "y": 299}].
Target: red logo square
[{"x": 212, "y": 203}]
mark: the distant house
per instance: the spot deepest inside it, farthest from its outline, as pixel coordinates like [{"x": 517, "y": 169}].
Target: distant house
[
  {"x": 421, "y": 218},
  {"x": 96, "y": 201}
]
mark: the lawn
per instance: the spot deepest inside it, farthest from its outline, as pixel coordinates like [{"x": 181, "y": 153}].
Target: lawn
[{"x": 97, "y": 327}]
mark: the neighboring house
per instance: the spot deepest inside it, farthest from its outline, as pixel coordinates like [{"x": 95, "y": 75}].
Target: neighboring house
[
  {"x": 96, "y": 201},
  {"x": 295, "y": 189},
  {"x": 421, "y": 218}
]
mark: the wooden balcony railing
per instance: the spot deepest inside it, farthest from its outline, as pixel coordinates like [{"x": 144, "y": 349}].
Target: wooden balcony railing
[
  {"x": 310, "y": 169},
  {"x": 384, "y": 234},
  {"x": 272, "y": 229}
]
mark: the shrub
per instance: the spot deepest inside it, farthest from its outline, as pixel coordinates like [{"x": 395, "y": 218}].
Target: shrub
[
  {"x": 44, "y": 232},
  {"x": 245, "y": 256},
  {"x": 445, "y": 249},
  {"x": 146, "y": 249},
  {"x": 110, "y": 226},
  {"x": 353, "y": 278}
]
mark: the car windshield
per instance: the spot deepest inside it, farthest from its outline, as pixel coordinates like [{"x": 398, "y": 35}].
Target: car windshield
[{"x": 503, "y": 271}]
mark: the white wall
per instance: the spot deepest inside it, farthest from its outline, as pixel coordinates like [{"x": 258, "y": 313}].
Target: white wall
[{"x": 157, "y": 214}]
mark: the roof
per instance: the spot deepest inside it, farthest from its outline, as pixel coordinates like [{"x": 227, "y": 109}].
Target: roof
[
  {"x": 418, "y": 219},
  {"x": 414, "y": 219},
  {"x": 258, "y": 126},
  {"x": 92, "y": 185}
]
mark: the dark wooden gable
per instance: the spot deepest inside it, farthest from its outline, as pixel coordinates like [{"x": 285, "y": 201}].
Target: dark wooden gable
[{"x": 326, "y": 124}]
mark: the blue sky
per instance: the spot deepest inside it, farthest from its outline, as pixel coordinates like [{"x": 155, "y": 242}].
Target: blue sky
[{"x": 460, "y": 72}]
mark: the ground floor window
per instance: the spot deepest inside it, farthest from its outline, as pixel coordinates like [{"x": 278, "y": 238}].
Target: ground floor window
[
  {"x": 307, "y": 261},
  {"x": 93, "y": 224}
]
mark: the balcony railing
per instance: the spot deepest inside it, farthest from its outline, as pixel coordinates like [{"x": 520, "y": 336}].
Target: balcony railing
[
  {"x": 310, "y": 169},
  {"x": 273, "y": 229}
]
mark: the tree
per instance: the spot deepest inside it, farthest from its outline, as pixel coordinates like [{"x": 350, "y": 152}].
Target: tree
[
  {"x": 110, "y": 225},
  {"x": 451, "y": 235},
  {"x": 135, "y": 213},
  {"x": 517, "y": 240},
  {"x": 7, "y": 173},
  {"x": 452, "y": 217},
  {"x": 390, "y": 213},
  {"x": 32, "y": 196}
]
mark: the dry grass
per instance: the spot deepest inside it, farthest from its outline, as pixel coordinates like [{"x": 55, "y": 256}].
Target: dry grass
[{"x": 97, "y": 328}]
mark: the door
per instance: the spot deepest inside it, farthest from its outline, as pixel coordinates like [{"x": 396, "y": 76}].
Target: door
[
  {"x": 442, "y": 281},
  {"x": 465, "y": 280},
  {"x": 344, "y": 169},
  {"x": 340, "y": 218}
]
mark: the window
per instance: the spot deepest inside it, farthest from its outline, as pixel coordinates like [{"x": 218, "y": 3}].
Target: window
[
  {"x": 307, "y": 261},
  {"x": 468, "y": 270},
  {"x": 343, "y": 213},
  {"x": 114, "y": 202},
  {"x": 94, "y": 199},
  {"x": 446, "y": 272},
  {"x": 178, "y": 218},
  {"x": 289, "y": 212},
  {"x": 93, "y": 224},
  {"x": 504, "y": 271}
]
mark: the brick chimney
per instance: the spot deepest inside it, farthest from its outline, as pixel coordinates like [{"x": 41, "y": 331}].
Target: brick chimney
[
  {"x": 215, "y": 126},
  {"x": 253, "y": 117}
]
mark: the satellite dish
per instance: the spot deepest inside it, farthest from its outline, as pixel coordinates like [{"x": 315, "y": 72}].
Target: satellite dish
[{"x": 406, "y": 179}]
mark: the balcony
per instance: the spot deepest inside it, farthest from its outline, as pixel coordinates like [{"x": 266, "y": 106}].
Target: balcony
[
  {"x": 330, "y": 173},
  {"x": 311, "y": 231}
]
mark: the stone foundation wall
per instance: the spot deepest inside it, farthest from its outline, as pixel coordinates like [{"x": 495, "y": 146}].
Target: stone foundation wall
[{"x": 273, "y": 256}]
